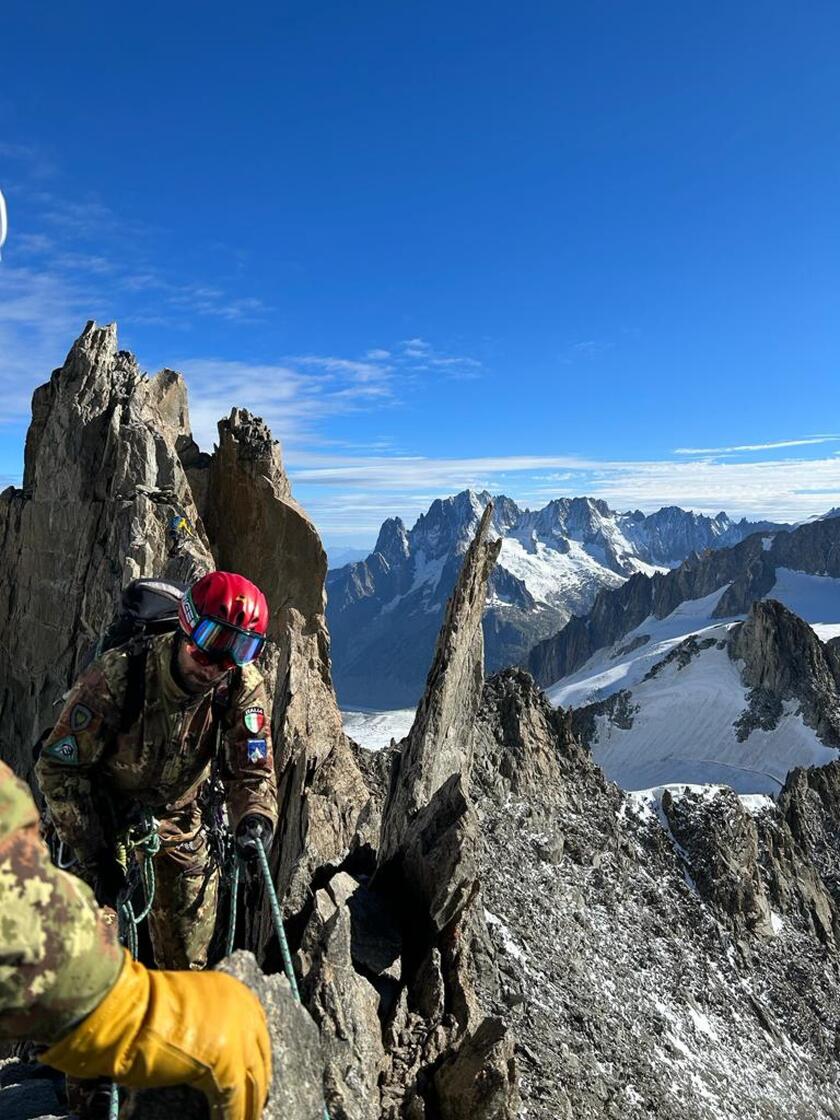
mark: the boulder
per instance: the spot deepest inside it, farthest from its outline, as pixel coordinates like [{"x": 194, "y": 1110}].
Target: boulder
[{"x": 296, "y": 1091}]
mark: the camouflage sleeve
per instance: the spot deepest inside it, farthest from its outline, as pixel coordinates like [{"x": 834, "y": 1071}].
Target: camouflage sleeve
[
  {"x": 59, "y": 954},
  {"x": 250, "y": 781},
  {"x": 65, "y": 769}
]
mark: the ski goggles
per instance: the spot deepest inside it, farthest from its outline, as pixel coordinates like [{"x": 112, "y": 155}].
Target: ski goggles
[{"x": 219, "y": 641}]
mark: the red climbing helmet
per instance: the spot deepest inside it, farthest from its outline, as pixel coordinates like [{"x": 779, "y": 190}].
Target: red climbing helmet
[{"x": 226, "y": 616}]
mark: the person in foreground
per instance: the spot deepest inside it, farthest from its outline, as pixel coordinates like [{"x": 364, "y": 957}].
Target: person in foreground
[{"x": 65, "y": 981}]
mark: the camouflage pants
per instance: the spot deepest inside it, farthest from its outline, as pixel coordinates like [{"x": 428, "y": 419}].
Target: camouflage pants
[{"x": 187, "y": 889}]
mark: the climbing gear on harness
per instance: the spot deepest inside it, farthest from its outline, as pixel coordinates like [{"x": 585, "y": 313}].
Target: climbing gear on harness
[
  {"x": 226, "y": 617},
  {"x": 155, "y": 1029},
  {"x": 141, "y": 837},
  {"x": 254, "y": 831}
]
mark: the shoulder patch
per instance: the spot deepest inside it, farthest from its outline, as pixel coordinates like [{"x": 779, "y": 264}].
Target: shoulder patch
[
  {"x": 254, "y": 719},
  {"x": 80, "y": 717},
  {"x": 257, "y": 750},
  {"x": 64, "y": 750}
]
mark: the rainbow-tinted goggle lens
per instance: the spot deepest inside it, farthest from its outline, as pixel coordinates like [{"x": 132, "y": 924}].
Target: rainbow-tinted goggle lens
[{"x": 220, "y": 640}]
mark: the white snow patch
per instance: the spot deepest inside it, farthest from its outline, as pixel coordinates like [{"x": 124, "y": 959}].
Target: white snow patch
[
  {"x": 777, "y": 921},
  {"x": 604, "y": 673},
  {"x": 555, "y": 577},
  {"x": 684, "y": 733},
  {"x": 702, "y": 1023},
  {"x": 816, "y": 599},
  {"x": 756, "y": 803},
  {"x": 510, "y": 945},
  {"x": 375, "y": 730}
]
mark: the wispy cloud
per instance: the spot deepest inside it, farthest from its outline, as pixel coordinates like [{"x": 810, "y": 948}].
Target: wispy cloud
[
  {"x": 346, "y": 494},
  {"x": 55, "y": 276},
  {"x": 771, "y": 446},
  {"x": 587, "y": 349},
  {"x": 419, "y": 355},
  {"x": 293, "y": 397}
]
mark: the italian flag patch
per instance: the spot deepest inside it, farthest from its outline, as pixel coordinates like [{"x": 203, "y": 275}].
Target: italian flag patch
[{"x": 254, "y": 720}]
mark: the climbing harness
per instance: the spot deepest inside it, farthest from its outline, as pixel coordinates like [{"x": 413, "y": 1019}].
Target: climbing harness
[{"x": 141, "y": 837}]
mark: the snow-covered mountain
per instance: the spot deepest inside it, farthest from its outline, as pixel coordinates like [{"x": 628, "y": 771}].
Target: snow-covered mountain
[
  {"x": 737, "y": 685},
  {"x": 384, "y": 612}
]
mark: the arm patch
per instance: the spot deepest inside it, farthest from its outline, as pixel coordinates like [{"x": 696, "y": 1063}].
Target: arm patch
[
  {"x": 64, "y": 750},
  {"x": 257, "y": 750}
]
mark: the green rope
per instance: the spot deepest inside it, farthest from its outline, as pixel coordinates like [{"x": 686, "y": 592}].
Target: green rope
[
  {"x": 281, "y": 932},
  {"x": 234, "y": 893},
  {"x": 278, "y": 920},
  {"x": 149, "y": 844}
]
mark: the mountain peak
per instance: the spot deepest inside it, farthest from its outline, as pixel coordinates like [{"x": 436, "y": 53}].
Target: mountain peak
[{"x": 392, "y": 542}]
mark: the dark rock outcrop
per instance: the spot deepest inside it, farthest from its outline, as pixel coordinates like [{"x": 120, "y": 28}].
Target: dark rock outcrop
[
  {"x": 654, "y": 960},
  {"x": 785, "y": 660}
]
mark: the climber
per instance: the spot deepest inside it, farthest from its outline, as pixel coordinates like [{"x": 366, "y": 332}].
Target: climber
[
  {"x": 113, "y": 758},
  {"x": 65, "y": 981},
  {"x": 142, "y": 734}
]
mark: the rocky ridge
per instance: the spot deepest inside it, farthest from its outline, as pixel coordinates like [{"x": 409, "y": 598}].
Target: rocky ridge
[
  {"x": 395, "y": 999},
  {"x": 670, "y": 956}
]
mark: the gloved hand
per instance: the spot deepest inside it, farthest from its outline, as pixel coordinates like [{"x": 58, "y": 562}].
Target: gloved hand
[
  {"x": 252, "y": 830},
  {"x": 110, "y": 879},
  {"x": 156, "y": 1029}
]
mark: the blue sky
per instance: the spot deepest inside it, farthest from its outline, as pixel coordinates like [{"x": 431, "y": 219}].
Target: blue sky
[{"x": 545, "y": 249}]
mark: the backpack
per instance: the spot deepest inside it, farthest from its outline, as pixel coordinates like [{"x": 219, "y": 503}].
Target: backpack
[{"x": 148, "y": 607}]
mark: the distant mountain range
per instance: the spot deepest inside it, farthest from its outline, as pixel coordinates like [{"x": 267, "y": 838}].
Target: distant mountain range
[
  {"x": 726, "y": 670},
  {"x": 384, "y": 611}
]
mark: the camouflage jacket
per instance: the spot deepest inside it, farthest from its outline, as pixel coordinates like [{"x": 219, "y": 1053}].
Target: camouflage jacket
[
  {"x": 59, "y": 954},
  {"x": 89, "y": 768}
]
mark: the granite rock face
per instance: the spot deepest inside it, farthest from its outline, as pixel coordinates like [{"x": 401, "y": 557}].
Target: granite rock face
[
  {"x": 101, "y": 481},
  {"x": 257, "y": 528},
  {"x": 392, "y": 961}
]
